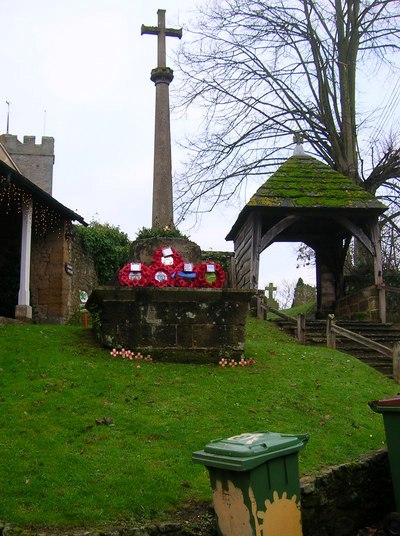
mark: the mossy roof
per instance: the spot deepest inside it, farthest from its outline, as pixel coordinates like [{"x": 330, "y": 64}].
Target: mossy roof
[
  {"x": 304, "y": 185},
  {"x": 305, "y": 182}
]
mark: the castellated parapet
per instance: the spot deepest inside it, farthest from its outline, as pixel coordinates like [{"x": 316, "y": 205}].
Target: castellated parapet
[{"x": 35, "y": 161}]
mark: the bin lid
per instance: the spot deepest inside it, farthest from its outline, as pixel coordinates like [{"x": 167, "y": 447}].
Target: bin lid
[
  {"x": 245, "y": 451},
  {"x": 386, "y": 404}
]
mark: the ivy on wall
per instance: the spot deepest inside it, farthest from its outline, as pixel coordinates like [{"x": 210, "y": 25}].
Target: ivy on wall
[{"x": 108, "y": 246}]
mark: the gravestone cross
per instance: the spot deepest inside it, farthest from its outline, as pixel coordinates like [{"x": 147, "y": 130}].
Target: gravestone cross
[
  {"x": 271, "y": 302},
  {"x": 162, "y": 76},
  {"x": 271, "y": 289}
]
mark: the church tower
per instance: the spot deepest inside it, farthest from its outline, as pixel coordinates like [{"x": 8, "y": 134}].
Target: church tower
[{"x": 34, "y": 161}]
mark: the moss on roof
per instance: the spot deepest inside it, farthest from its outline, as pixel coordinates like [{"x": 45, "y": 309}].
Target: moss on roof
[{"x": 304, "y": 182}]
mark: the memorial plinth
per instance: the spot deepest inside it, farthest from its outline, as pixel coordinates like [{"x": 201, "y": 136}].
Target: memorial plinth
[{"x": 172, "y": 324}]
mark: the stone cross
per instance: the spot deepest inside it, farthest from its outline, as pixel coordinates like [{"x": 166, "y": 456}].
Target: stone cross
[
  {"x": 162, "y": 76},
  {"x": 270, "y": 289},
  {"x": 271, "y": 302}
]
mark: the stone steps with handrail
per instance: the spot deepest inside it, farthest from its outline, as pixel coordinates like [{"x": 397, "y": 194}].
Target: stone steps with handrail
[{"x": 374, "y": 343}]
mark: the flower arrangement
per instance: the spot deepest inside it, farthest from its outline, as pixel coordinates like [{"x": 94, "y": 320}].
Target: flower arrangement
[{"x": 168, "y": 269}]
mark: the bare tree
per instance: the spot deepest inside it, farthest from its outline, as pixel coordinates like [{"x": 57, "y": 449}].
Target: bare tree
[
  {"x": 285, "y": 293},
  {"x": 262, "y": 70}
]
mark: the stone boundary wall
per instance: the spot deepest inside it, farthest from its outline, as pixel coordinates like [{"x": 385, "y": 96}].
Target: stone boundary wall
[
  {"x": 361, "y": 305},
  {"x": 347, "y": 497}
]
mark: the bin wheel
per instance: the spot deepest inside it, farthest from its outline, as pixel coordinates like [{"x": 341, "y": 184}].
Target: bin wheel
[{"x": 391, "y": 524}]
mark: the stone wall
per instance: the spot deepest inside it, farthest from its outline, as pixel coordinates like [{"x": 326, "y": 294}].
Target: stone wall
[
  {"x": 49, "y": 281},
  {"x": 348, "y": 497},
  {"x": 59, "y": 269},
  {"x": 355, "y": 283},
  {"x": 362, "y": 305}
]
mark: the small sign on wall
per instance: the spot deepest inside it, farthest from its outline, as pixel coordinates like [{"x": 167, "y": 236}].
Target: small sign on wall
[{"x": 68, "y": 268}]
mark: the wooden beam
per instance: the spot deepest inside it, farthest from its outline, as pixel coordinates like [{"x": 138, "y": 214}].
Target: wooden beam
[
  {"x": 255, "y": 254},
  {"x": 357, "y": 232},
  {"x": 275, "y": 230}
]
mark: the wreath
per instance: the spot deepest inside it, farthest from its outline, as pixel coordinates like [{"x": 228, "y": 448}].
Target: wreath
[
  {"x": 134, "y": 278},
  {"x": 171, "y": 273},
  {"x": 184, "y": 278},
  {"x": 161, "y": 276},
  {"x": 159, "y": 255},
  {"x": 212, "y": 279}
]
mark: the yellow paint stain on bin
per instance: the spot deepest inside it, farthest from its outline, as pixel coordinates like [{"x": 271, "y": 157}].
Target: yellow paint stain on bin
[
  {"x": 281, "y": 516},
  {"x": 233, "y": 515}
]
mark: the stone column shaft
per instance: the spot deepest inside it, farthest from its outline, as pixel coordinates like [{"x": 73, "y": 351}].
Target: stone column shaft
[{"x": 162, "y": 214}]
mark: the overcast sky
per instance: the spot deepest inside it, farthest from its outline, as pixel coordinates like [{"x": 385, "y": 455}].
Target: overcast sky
[{"x": 78, "y": 71}]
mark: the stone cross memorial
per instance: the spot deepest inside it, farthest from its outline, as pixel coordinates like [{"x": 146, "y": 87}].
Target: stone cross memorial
[
  {"x": 271, "y": 302},
  {"x": 162, "y": 76},
  {"x": 205, "y": 321}
]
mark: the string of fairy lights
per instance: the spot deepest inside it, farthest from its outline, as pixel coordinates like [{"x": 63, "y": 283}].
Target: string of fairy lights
[{"x": 14, "y": 198}]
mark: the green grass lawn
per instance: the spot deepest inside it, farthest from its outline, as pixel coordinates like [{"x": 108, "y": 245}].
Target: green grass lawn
[{"x": 88, "y": 439}]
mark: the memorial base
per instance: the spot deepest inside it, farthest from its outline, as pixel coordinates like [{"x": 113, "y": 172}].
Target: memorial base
[{"x": 172, "y": 324}]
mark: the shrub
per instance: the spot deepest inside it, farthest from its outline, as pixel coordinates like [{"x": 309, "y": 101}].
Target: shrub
[{"x": 108, "y": 245}]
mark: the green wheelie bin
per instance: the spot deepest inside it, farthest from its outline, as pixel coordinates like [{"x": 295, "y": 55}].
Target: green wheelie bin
[
  {"x": 255, "y": 483},
  {"x": 390, "y": 410}
]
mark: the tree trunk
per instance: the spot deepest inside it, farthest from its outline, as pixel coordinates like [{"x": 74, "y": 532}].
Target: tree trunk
[{"x": 348, "y": 46}]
